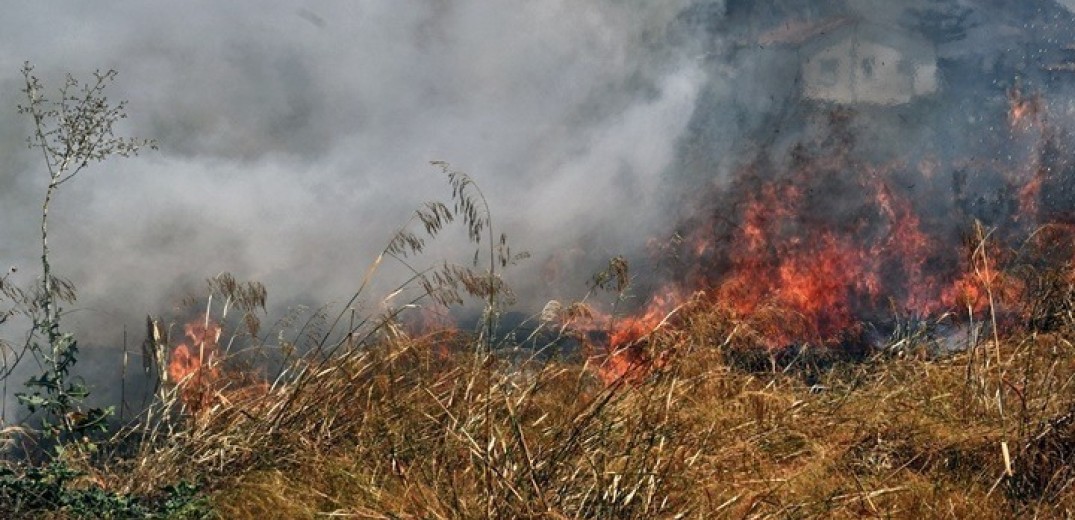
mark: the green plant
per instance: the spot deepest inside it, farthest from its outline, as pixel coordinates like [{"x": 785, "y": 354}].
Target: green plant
[
  {"x": 54, "y": 488},
  {"x": 71, "y": 132}
]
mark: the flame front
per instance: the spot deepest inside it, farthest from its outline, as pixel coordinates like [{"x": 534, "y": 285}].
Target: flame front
[{"x": 811, "y": 248}]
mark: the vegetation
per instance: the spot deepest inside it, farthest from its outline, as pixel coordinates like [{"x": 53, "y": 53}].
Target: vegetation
[
  {"x": 378, "y": 416},
  {"x": 71, "y": 132}
]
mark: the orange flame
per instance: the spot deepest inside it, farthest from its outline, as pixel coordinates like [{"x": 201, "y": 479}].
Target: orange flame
[
  {"x": 193, "y": 365},
  {"x": 195, "y": 368},
  {"x": 785, "y": 252},
  {"x": 1023, "y": 111},
  {"x": 626, "y": 358}
]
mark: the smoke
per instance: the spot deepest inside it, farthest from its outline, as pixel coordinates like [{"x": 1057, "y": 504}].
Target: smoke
[{"x": 294, "y": 141}]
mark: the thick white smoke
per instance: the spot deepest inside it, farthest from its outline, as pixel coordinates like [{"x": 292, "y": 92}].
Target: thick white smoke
[{"x": 294, "y": 141}]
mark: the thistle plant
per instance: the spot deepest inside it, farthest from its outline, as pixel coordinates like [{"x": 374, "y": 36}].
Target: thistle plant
[{"x": 71, "y": 131}]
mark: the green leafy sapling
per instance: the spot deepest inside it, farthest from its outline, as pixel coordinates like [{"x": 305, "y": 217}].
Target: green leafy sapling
[{"x": 71, "y": 131}]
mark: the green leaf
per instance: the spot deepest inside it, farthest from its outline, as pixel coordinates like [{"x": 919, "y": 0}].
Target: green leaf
[{"x": 31, "y": 401}]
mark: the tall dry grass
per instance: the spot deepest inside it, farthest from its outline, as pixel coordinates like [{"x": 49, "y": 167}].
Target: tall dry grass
[{"x": 427, "y": 426}]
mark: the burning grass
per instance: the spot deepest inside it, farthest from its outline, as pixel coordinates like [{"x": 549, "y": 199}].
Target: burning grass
[
  {"x": 803, "y": 363},
  {"x": 785, "y": 402},
  {"x": 424, "y": 427}
]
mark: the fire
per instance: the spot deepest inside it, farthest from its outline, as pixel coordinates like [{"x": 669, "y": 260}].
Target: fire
[
  {"x": 625, "y": 357},
  {"x": 193, "y": 365},
  {"x": 823, "y": 273},
  {"x": 196, "y": 368},
  {"x": 982, "y": 283},
  {"x": 1023, "y": 110},
  {"x": 807, "y": 250}
]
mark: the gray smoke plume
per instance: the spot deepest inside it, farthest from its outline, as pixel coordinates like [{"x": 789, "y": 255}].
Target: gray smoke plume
[{"x": 295, "y": 141}]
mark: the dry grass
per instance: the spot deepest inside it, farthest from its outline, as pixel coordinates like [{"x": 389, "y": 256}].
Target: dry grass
[
  {"x": 440, "y": 424},
  {"x": 422, "y": 427}
]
